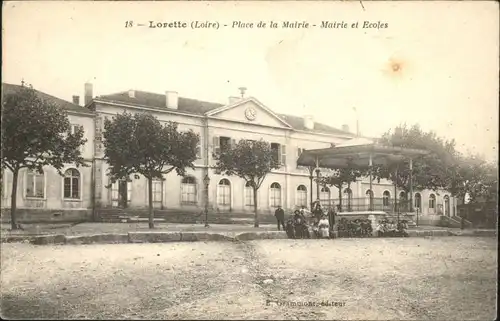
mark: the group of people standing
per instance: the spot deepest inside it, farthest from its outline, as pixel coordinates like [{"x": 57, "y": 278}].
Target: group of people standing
[{"x": 297, "y": 226}]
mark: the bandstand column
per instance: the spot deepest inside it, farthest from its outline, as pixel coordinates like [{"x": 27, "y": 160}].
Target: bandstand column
[
  {"x": 317, "y": 183},
  {"x": 411, "y": 185},
  {"x": 395, "y": 189},
  {"x": 370, "y": 165}
]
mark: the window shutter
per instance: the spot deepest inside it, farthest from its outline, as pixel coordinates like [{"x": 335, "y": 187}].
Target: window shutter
[
  {"x": 216, "y": 144},
  {"x": 198, "y": 152},
  {"x": 283, "y": 154}
]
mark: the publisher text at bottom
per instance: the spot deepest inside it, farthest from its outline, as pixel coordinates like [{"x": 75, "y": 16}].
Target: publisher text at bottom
[{"x": 306, "y": 303}]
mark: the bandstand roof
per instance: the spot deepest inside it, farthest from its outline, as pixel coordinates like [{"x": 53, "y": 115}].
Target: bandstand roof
[{"x": 356, "y": 153}]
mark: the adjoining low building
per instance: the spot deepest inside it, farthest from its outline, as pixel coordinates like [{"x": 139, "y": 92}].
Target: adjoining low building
[
  {"x": 219, "y": 126},
  {"x": 48, "y": 196}
]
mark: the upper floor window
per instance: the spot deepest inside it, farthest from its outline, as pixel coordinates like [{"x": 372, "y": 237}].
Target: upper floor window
[
  {"x": 72, "y": 184},
  {"x": 35, "y": 184},
  {"x": 221, "y": 143},
  {"x": 279, "y": 153}
]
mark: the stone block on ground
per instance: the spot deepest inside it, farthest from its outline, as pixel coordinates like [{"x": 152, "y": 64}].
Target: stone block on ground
[
  {"x": 153, "y": 237},
  {"x": 204, "y": 236},
  {"x": 48, "y": 239},
  {"x": 98, "y": 239},
  {"x": 264, "y": 235}
]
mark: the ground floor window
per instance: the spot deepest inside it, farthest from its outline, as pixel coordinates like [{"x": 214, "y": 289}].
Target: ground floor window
[
  {"x": 275, "y": 195},
  {"x": 157, "y": 190},
  {"x": 224, "y": 192},
  {"x": 301, "y": 196},
  {"x": 188, "y": 190},
  {"x": 248, "y": 195},
  {"x": 35, "y": 184},
  {"x": 72, "y": 184}
]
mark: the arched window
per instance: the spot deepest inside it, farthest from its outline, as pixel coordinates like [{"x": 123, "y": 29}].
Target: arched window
[
  {"x": 301, "y": 195},
  {"x": 418, "y": 200},
  {"x": 348, "y": 193},
  {"x": 447, "y": 205},
  {"x": 403, "y": 201},
  {"x": 369, "y": 200},
  {"x": 188, "y": 190},
  {"x": 35, "y": 184},
  {"x": 275, "y": 195},
  {"x": 248, "y": 194},
  {"x": 386, "y": 198},
  {"x": 224, "y": 192},
  {"x": 432, "y": 201},
  {"x": 324, "y": 196},
  {"x": 72, "y": 184}
]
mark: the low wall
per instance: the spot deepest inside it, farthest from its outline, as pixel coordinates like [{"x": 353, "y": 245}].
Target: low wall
[{"x": 25, "y": 215}]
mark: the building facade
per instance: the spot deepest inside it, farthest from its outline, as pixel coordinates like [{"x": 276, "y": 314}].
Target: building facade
[
  {"x": 219, "y": 126},
  {"x": 49, "y": 196}
]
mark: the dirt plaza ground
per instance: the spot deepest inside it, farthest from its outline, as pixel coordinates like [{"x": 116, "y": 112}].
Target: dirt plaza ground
[{"x": 441, "y": 278}]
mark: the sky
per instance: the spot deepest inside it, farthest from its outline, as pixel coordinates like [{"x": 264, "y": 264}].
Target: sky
[{"x": 436, "y": 64}]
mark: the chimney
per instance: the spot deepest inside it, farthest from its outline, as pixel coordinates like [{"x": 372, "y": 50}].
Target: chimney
[
  {"x": 131, "y": 93},
  {"x": 345, "y": 128},
  {"x": 89, "y": 95},
  {"x": 172, "y": 99},
  {"x": 76, "y": 100},
  {"x": 233, "y": 99},
  {"x": 308, "y": 122}
]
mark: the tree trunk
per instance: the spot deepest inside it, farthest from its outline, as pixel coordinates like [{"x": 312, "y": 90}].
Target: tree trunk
[
  {"x": 256, "y": 221},
  {"x": 13, "y": 198},
  {"x": 150, "y": 203}
]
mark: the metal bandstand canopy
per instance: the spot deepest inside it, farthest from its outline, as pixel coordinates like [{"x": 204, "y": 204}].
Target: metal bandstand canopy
[{"x": 360, "y": 153}]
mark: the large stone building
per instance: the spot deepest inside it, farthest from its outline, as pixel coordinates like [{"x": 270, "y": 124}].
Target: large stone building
[{"x": 218, "y": 125}]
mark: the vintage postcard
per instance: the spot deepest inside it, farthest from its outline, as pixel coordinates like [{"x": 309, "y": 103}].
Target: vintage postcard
[{"x": 272, "y": 160}]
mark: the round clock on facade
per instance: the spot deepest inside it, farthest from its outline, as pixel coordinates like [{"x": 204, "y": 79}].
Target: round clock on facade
[{"x": 250, "y": 113}]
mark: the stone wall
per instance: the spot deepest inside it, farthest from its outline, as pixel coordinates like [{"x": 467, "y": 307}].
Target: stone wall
[{"x": 47, "y": 216}]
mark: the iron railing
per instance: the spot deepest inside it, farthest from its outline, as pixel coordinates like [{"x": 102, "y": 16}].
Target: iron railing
[{"x": 367, "y": 204}]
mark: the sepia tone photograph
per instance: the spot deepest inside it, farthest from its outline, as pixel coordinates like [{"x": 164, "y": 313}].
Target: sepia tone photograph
[{"x": 267, "y": 160}]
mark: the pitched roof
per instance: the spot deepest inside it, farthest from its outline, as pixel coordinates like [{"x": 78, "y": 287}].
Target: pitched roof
[
  {"x": 61, "y": 103},
  {"x": 198, "y": 107}
]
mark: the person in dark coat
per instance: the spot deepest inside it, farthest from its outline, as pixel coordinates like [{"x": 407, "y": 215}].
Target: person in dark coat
[{"x": 280, "y": 217}]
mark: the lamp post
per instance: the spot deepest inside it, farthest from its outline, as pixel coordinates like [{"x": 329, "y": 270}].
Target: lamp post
[{"x": 206, "y": 181}]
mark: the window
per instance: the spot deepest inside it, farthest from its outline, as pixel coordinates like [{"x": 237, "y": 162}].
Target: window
[
  {"x": 221, "y": 143},
  {"x": 324, "y": 196},
  {"x": 386, "y": 196},
  {"x": 432, "y": 201},
  {"x": 74, "y": 128},
  {"x": 447, "y": 205},
  {"x": 275, "y": 194},
  {"x": 35, "y": 184},
  {"x": 224, "y": 192},
  {"x": 225, "y": 143},
  {"x": 188, "y": 190},
  {"x": 299, "y": 152},
  {"x": 279, "y": 153},
  {"x": 418, "y": 201},
  {"x": 348, "y": 192},
  {"x": 301, "y": 195},
  {"x": 248, "y": 194},
  {"x": 121, "y": 193},
  {"x": 72, "y": 184},
  {"x": 157, "y": 190}
]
